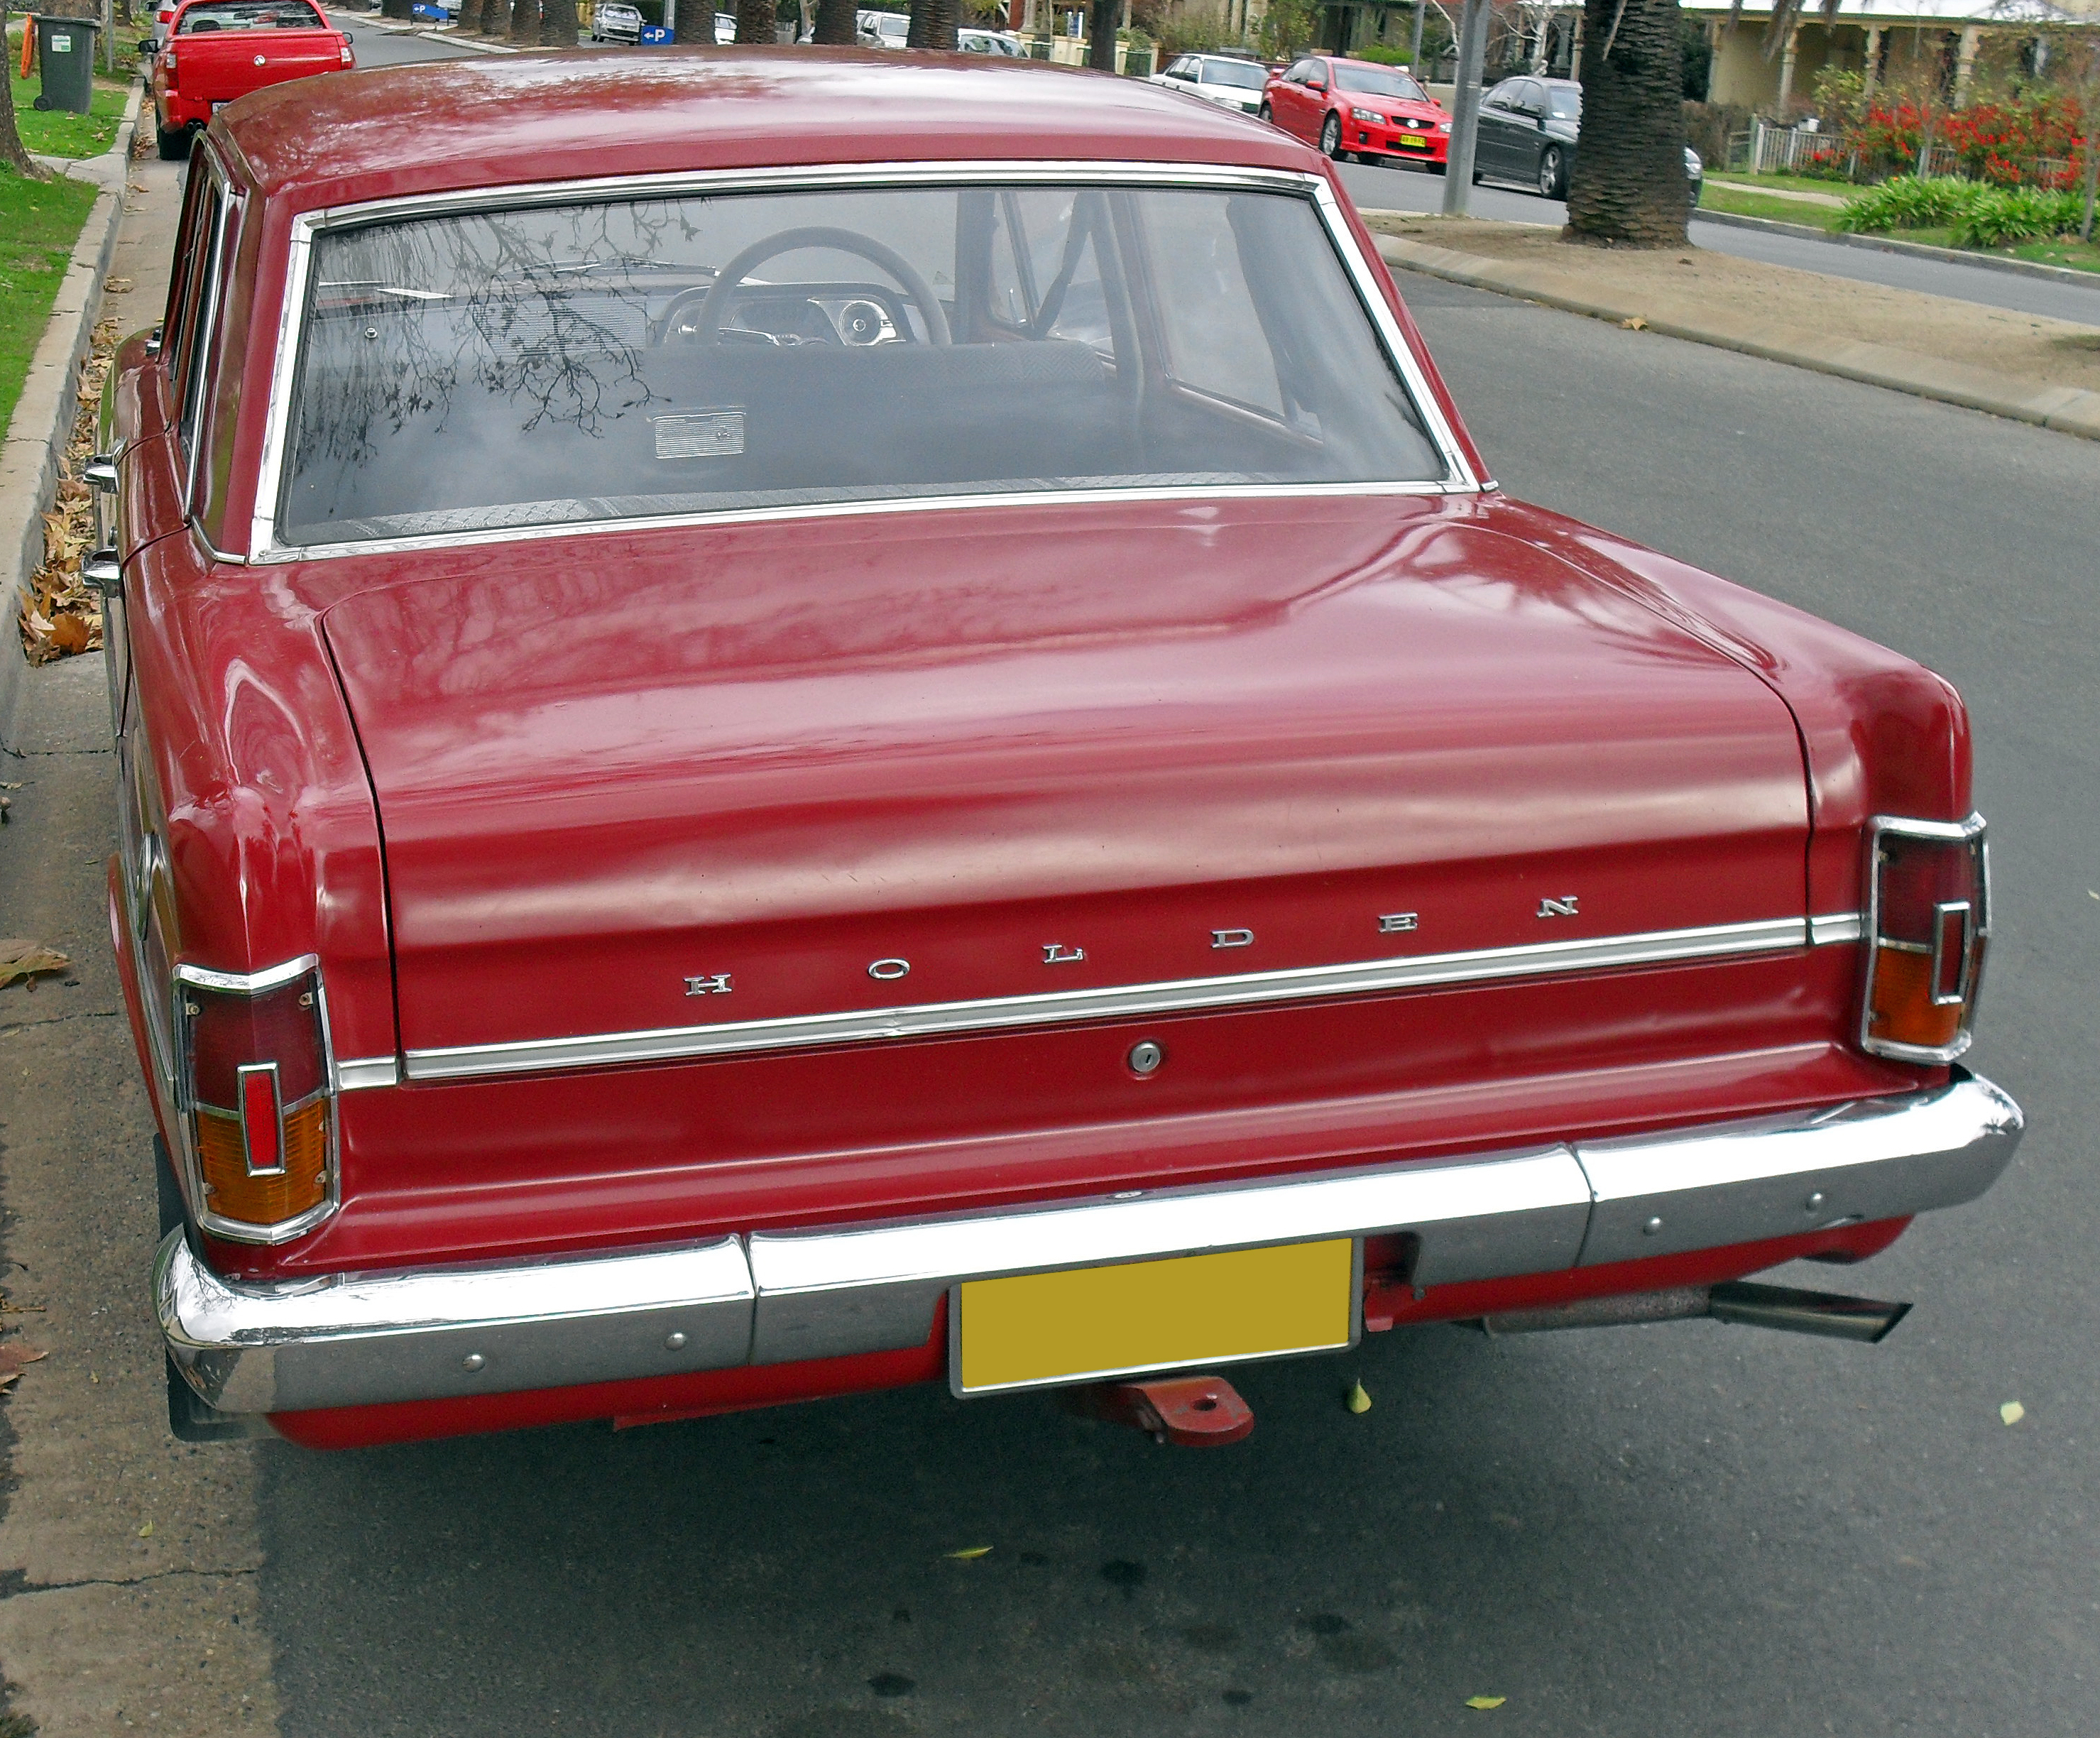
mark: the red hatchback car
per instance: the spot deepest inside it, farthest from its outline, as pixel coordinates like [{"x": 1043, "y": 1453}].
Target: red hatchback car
[
  {"x": 1359, "y": 109},
  {"x": 761, "y": 756}
]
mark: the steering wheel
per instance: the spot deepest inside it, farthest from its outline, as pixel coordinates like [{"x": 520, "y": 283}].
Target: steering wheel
[{"x": 714, "y": 299}]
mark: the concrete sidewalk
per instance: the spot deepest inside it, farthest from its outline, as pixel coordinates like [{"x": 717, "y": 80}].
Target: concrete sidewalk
[{"x": 1748, "y": 309}]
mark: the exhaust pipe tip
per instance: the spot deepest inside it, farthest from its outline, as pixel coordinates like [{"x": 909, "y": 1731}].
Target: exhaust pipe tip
[{"x": 1826, "y": 1314}]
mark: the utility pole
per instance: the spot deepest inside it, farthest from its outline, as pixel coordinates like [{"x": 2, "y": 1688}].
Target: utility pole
[
  {"x": 1414, "y": 53},
  {"x": 1466, "y": 108}
]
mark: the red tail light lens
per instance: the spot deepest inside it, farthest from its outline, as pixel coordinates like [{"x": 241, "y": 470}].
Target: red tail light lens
[
  {"x": 257, "y": 1098},
  {"x": 1928, "y": 904}
]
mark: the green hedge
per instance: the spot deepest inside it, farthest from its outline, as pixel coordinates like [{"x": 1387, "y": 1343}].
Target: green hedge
[{"x": 1981, "y": 216}]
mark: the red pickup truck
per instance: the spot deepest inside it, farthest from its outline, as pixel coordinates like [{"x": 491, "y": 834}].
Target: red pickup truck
[{"x": 217, "y": 50}]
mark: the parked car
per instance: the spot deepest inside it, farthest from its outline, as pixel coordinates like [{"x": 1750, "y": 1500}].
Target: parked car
[
  {"x": 1230, "y": 81},
  {"x": 1527, "y": 133},
  {"x": 613, "y": 21},
  {"x": 831, "y": 721},
  {"x": 883, "y": 29},
  {"x": 1358, "y": 108},
  {"x": 1003, "y": 42},
  {"x": 219, "y": 50}
]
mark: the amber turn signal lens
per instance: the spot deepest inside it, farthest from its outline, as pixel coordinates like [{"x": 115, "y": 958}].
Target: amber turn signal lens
[
  {"x": 232, "y": 1193},
  {"x": 1903, "y": 1010}
]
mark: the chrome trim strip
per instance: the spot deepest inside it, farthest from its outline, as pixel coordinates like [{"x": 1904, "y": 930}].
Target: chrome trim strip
[
  {"x": 1874, "y": 1159},
  {"x": 263, "y": 547},
  {"x": 365, "y": 1341},
  {"x": 1836, "y": 929},
  {"x": 445, "y": 1334},
  {"x": 357, "y": 1074},
  {"x": 828, "y": 1294},
  {"x": 1116, "y": 1002},
  {"x": 247, "y": 983}
]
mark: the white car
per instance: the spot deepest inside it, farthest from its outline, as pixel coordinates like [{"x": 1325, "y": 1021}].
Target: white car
[
  {"x": 725, "y": 27},
  {"x": 1229, "y": 79},
  {"x": 990, "y": 43},
  {"x": 612, "y": 22},
  {"x": 883, "y": 29}
]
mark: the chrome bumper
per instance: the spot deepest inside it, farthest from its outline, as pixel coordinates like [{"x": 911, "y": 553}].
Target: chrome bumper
[{"x": 774, "y": 1297}]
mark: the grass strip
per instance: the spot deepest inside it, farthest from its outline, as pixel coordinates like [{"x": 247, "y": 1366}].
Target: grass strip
[
  {"x": 2081, "y": 256},
  {"x": 40, "y": 222},
  {"x": 1713, "y": 198},
  {"x": 53, "y": 133}
]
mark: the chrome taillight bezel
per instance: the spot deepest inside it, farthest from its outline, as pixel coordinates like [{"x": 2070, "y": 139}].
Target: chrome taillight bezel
[
  {"x": 1975, "y": 927},
  {"x": 186, "y": 1107}
]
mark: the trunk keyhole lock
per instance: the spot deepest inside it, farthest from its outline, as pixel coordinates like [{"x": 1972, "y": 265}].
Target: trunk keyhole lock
[{"x": 1145, "y": 1057}]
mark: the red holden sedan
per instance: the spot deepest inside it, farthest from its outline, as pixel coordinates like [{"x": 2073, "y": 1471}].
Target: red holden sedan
[
  {"x": 1359, "y": 109},
  {"x": 761, "y": 756}
]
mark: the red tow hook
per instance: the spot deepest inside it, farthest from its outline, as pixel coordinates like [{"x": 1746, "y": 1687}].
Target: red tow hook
[{"x": 1198, "y": 1412}]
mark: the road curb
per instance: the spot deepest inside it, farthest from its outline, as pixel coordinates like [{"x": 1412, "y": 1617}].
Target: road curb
[
  {"x": 2024, "y": 268},
  {"x": 33, "y": 452},
  {"x": 2068, "y": 410}
]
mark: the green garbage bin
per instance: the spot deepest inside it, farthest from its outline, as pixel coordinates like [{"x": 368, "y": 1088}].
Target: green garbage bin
[{"x": 65, "y": 53}]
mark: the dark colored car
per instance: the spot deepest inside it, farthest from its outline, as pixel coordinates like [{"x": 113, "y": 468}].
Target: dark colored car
[
  {"x": 1527, "y": 134},
  {"x": 1358, "y": 108}
]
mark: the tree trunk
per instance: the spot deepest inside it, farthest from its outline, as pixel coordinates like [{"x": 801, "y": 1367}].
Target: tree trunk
[
  {"x": 470, "y": 16},
  {"x": 693, "y": 24},
  {"x": 495, "y": 18},
  {"x": 932, "y": 24},
  {"x": 525, "y": 23},
  {"x": 1102, "y": 18},
  {"x": 12, "y": 151},
  {"x": 754, "y": 21},
  {"x": 835, "y": 24},
  {"x": 1628, "y": 186},
  {"x": 396, "y": 9},
  {"x": 2092, "y": 178},
  {"x": 557, "y": 23}
]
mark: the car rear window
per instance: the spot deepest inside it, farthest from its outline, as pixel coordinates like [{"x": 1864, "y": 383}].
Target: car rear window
[
  {"x": 251, "y": 14},
  {"x": 558, "y": 364},
  {"x": 1241, "y": 73}
]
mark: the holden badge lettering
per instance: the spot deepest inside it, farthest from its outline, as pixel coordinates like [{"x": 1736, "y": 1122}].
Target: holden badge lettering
[
  {"x": 709, "y": 983},
  {"x": 1057, "y": 953},
  {"x": 1563, "y": 907},
  {"x": 1232, "y": 938},
  {"x": 1394, "y": 922}
]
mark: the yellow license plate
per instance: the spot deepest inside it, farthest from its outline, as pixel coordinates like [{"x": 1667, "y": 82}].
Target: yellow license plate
[
  {"x": 1413, "y": 138},
  {"x": 1041, "y": 1328}
]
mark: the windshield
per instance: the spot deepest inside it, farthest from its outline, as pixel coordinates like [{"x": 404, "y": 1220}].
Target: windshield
[
  {"x": 1567, "y": 105},
  {"x": 564, "y": 363},
  {"x": 1241, "y": 73},
  {"x": 1378, "y": 80},
  {"x": 251, "y": 14}
]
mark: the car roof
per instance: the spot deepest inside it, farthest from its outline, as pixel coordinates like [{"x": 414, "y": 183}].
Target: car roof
[{"x": 495, "y": 121}]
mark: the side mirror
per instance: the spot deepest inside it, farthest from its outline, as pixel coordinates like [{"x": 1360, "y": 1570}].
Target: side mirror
[{"x": 1316, "y": 84}]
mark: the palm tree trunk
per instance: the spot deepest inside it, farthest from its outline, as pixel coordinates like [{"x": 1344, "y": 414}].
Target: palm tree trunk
[
  {"x": 835, "y": 27},
  {"x": 469, "y": 18},
  {"x": 396, "y": 9},
  {"x": 932, "y": 24},
  {"x": 1628, "y": 186},
  {"x": 525, "y": 23},
  {"x": 557, "y": 23},
  {"x": 1102, "y": 18},
  {"x": 754, "y": 21}
]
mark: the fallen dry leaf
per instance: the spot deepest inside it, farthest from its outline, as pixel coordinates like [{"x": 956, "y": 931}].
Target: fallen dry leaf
[
  {"x": 146, "y": 1532},
  {"x": 2012, "y": 1412},
  {"x": 1359, "y": 1400},
  {"x": 15, "y": 1357},
  {"x": 1636, "y": 324},
  {"x": 117, "y": 286},
  {"x": 970, "y": 1553},
  {"x": 1485, "y": 1702},
  {"x": 26, "y": 960}
]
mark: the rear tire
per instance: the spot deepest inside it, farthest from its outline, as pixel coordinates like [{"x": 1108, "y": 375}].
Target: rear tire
[
  {"x": 1265, "y": 113},
  {"x": 1552, "y": 175},
  {"x": 1330, "y": 139}
]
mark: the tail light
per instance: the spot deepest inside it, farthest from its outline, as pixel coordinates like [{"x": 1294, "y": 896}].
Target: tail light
[
  {"x": 1928, "y": 920},
  {"x": 348, "y": 58},
  {"x": 256, "y": 1090}
]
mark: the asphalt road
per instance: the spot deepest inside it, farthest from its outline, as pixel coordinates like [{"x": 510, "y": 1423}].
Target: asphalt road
[
  {"x": 1416, "y": 190},
  {"x": 1687, "y": 1529}
]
